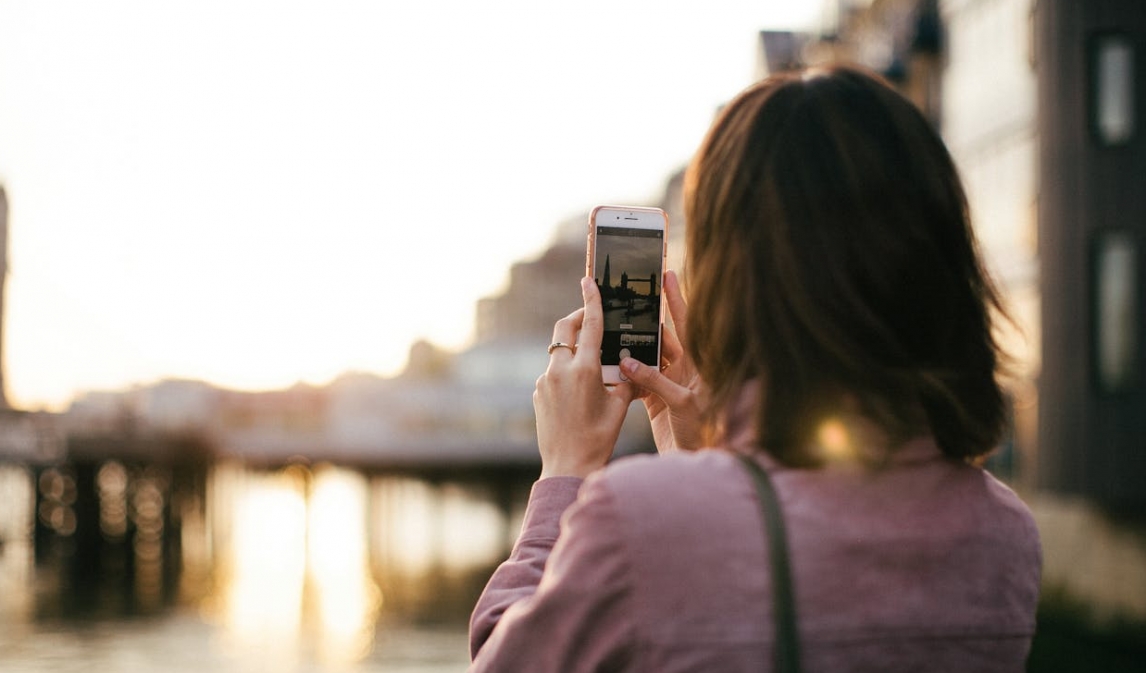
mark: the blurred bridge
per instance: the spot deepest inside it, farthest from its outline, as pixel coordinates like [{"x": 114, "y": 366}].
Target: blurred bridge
[
  {"x": 477, "y": 419},
  {"x": 113, "y": 491}
]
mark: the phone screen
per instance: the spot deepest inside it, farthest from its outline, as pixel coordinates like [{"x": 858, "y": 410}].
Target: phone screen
[{"x": 627, "y": 268}]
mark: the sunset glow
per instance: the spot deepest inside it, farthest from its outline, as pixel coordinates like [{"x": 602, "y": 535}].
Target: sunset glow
[{"x": 259, "y": 193}]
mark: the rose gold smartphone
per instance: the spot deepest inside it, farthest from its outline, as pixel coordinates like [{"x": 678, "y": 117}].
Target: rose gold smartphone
[{"x": 626, "y": 256}]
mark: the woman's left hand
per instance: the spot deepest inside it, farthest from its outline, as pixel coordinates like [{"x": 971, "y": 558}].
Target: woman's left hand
[
  {"x": 578, "y": 417},
  {"x": 674, "y": 398}
]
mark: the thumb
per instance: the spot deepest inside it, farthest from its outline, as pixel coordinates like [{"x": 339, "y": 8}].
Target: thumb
[{"x": 652, "y": 380}]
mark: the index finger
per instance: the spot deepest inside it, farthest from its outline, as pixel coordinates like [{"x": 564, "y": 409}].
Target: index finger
[
  {"x": 593, "y": 323},
  {"x": 565, "y": 330}
]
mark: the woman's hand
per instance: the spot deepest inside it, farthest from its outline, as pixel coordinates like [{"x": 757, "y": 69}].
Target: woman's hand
[
  {"x": 675, "y": 395},
  {"x": 578, "y": 417}
]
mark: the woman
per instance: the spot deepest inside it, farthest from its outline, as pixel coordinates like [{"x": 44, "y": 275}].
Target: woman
[{"x": 839, "y": 334}]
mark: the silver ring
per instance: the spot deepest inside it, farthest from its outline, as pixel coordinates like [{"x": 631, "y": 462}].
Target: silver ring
[{"x": 557, "y": 344}]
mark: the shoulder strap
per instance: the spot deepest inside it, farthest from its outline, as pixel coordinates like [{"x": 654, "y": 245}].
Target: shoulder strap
[{"x": 783, "y": 604}]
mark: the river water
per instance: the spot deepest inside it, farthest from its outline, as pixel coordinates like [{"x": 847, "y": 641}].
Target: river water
[
  {"x": 185, "y": 643},
  {"x": 300, "y": 569}
]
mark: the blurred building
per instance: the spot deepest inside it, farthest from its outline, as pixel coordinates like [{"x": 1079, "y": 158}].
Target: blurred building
[
  {"x": 542, "y": 290},
  {"x": 514, "y": 326},
  {"x": 1057, "y": 213},
  {"x": 539, "y": 291},
  {"x": 900, "y": 39},
  {"x": 778, "y": 51},
  {"x": 1090, "y": 57},
  {"x": 1038, "y": 102},
  {"x": 969, "y": 69},
  {"x": 990, "y": 123},
  {"x": 29, "y": 438}
]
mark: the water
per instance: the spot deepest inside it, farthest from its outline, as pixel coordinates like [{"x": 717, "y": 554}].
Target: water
[
  {"x": 296, "y": 569},
  {"x": 184, "y": 643}
]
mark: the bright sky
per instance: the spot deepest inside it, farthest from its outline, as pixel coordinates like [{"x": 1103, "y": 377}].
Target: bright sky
[{"x": 257, "y": 193}]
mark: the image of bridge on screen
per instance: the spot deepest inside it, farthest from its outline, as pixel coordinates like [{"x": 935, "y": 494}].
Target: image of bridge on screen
[{"x": 628, "y": 271}]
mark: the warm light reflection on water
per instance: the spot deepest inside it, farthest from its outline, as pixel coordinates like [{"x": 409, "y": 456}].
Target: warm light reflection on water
[
  {"x": 473, "y": 527},
  {"x": 17, "y": 504},
  {"x": 404, "y": 509},
  {"x": 339, "y": 565},
  {"x": 285, "y": 569},
  {"x": 263, "y": 562},
  {"x": 295, "y": 568},
  {"x": 426, "y": 528}
]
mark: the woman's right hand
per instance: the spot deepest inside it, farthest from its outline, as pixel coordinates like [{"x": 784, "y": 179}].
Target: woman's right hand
[
  {"x": 578, "y": 417},
  {"x": 675, "y": 395}
]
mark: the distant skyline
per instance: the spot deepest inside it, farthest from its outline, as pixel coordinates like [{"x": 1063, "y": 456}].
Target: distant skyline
[
  {"x": 626, "y": 255},
  {"x": 245, "y": 192}
]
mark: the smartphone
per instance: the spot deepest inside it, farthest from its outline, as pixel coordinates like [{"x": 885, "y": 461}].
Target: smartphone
[{"x": 626, "y": 256}]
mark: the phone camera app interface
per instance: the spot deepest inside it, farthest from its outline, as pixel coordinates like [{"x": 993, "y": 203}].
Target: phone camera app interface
[{"x": 628, "y": 274}]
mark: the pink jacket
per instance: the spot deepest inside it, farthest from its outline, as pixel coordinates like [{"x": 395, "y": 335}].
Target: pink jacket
[{"x": 659, "y": 564}]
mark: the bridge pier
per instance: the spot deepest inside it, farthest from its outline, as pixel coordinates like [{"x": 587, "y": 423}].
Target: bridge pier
[{"x": 107, "y": 528}]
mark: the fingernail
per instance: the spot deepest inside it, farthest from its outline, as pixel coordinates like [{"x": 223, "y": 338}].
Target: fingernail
[
  {"x": 629, "y": 365},
  {"x": 585, "y": 283}
]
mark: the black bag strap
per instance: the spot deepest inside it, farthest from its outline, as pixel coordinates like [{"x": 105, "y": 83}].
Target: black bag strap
[{"x": 783, "y": 603}]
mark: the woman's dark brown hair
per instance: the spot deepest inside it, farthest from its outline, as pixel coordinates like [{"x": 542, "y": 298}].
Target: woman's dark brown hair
[{"x": 830, "y": 256}]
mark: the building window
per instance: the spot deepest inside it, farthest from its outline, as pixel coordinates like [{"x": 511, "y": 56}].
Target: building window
[
  {"x": 1112, "y": 89},
  {"x": 1115, "y": 303}
]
